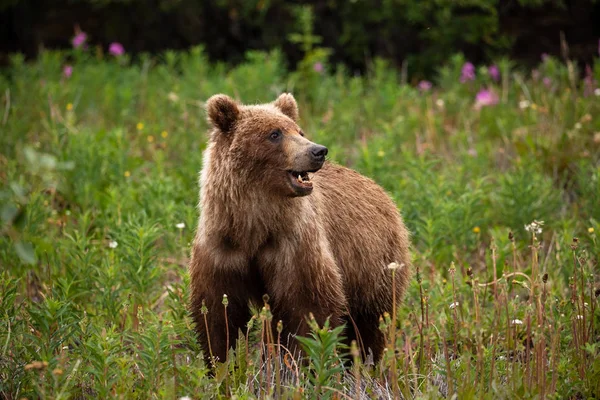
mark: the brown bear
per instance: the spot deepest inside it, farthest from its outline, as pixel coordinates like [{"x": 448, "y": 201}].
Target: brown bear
[{"x": 277, "y": 219}]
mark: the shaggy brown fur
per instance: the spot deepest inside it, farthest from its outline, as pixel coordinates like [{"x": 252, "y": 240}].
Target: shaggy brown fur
[{"x": 320, "y": 247}]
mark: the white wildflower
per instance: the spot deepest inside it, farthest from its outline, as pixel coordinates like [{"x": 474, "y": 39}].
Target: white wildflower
[
  {"x": 516, "y": 322},
  {"x": 597, "y": 92},
  {"x": 454, "y": 305},
  {"x": 173, "y": 97},
  {"x": 523, "y": 104},
  {"x": 578, "y": 126},
  {"x": 579, "y": 317},
  {"x": 439, "y": 103},
  {"x": 113, "y": 244},
  {"x": 394, "y": 266},
  {"x": 180, "y": 225},
  {"x": 535, "y": 227},
  {"x": 185, "y": 398}
]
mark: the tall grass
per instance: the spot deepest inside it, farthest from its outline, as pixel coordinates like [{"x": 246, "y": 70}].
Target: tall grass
[{"x": 98, "y": 181}]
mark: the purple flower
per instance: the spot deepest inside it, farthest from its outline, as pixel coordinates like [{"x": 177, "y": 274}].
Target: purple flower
[
  {"x": 67, "y": 71},
  {"x": 547, "y": 81},
  {"x": 424, "y": 86},
  {"x": 116, "y": 49},
  {"x": 318, "y": 67},
  {"x": 494, "y": 72},
  {"x": 486, "y": 97},
  {"x": 79, "y": 39},
  {"x": 589, "y": 83},
  {"x": 467, "y": 73}
]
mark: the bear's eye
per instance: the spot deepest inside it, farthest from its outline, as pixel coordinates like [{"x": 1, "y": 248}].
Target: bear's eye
[
  {"x": 275, "y": 135},
  {"x": 301, "y": 133}
]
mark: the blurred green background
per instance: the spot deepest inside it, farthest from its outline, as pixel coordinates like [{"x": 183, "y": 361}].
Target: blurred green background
[{"x": 420, "y": 34}]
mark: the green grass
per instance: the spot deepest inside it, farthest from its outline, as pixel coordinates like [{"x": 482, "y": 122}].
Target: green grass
[{"x": 99, "y": 194}]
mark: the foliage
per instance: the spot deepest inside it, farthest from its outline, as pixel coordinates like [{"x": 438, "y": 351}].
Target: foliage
[
  {"x": 422, "y": 35},
  {"x": 98, "y": 189}
]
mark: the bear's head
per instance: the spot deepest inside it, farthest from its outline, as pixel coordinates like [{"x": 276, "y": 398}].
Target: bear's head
[{"x": 263, "y": 145}]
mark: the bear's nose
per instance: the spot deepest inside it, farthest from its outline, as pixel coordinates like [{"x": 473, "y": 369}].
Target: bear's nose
[{"x": 318, "y": 152}]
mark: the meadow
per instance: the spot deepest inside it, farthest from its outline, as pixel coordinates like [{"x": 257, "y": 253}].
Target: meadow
[{"x": 496, "y": 170}]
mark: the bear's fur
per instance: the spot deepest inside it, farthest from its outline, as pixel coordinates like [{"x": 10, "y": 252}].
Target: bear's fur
[{"x": 321, "y": 246}]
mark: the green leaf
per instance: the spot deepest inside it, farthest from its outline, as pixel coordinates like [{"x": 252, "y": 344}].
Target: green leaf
[{"x": 26, "y": 252}]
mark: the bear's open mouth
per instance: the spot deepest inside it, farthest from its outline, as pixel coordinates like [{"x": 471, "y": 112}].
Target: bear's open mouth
[{"x": 301, "y": 180}]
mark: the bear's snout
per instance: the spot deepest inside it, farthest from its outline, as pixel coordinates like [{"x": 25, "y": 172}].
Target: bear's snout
[{"x": 318, "y": 152}]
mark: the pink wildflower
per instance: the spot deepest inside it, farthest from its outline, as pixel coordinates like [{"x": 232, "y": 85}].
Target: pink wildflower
[
  {"x": 67, "y": 71},
  {"x": 116, "y": 49},
  {"x": 318, "y": 67},
  {"x": 486, "y": 97},
  {"x": 424, "y": 85},
  {"x": 79, "y": 39},
  {"x": 494, "y": 72},
  {"x": 467, "y": 73}
]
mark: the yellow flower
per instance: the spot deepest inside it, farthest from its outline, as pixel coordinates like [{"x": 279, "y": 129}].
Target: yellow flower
[
  {"x": 380, "y": 153},
  {"x": 476, "y": 229},
  {"x": 140, "y": 126},
  {"x": 127, "y": 174},
  {"x": 591, "y": 230},
  {"x": 164, "y": 134},
  {"x": 534, "y": 106},
  {"x": 150, "y": 139},
  {"x": 69, "y": 106}
]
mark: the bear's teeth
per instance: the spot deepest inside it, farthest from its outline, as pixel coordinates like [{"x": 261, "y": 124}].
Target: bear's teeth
[{"x": 300, "y": 178}]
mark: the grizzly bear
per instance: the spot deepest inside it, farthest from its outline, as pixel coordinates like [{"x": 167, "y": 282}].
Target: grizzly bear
[{"x": 276, "y": 218}]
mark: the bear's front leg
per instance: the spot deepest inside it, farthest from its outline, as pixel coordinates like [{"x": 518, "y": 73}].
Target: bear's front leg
[
  {"x": 307, "y": 282},
  {"x": 210, "y": 280}
]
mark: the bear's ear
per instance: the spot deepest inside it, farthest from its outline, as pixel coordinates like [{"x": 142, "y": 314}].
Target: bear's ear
[
  {"x": 287, "y": 104},
  {"x": 222, "y": 112}
]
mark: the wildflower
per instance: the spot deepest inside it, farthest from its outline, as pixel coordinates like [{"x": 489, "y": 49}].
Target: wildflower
[
  {"x": 439, "y": 103},
  {"x": 393, "y": 266},
  {"x": 79, "y": 38},
  {"x": 69, "y": 106},
  {"x": 173, "y": 97},
  {"x": 454, "y": 305},
  {"x": 424, "y": 86},
  {"x": 318, "y": 67},
  {"x": 185, "y": 398},
  {"x": 523, "y": 104},
  {"x": 579, "y": 317},
  {"x": 486, "y": 97},
  {"x": 476, "y": 229},
  {"x": 588, "y": 82},
  {"x": 516, "y": 322},
  {"x": 535, "y": 227},
  {"x": 591, "y": 230},
  {"x": 547, "y": 81},
  {"x": 467, "y": 73},
  {"x": 180, "y": 225},
  {"x": 127, "y": 174},
  {"x": 113, "y": 244},
  {"x": 67, "y": 71},
  {"x": 380, "y": 153},
  {"x": 140, "y": 126},
  {"x": 578, "y": 125},
  {"x": 494, "y": 72},
  {"x": 150, "y": 138},
  {"x": 116, "y": 49},
  {"x": 164, "y": 134},
  {"x": 545, "y": 57}
]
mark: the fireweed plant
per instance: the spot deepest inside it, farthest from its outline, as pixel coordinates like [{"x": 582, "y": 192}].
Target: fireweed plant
[{"x": 495, "y": 169}]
